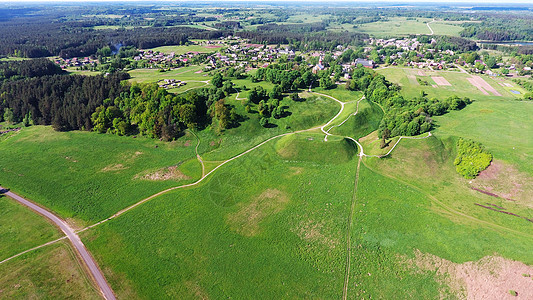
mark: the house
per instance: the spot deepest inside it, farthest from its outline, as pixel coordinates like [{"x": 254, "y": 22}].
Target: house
[{"x": 365, "y": 62}]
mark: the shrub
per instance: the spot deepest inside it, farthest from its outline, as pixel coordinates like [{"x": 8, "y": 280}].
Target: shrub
[
  {"x": 513, "y": 292},
  {"x": 471, "y": 158}
]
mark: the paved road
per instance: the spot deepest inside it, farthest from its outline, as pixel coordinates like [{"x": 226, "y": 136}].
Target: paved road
[{"x": 105, "y": 289}]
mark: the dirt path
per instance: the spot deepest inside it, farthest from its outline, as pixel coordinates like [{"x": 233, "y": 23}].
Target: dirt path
[
  {"x": 355, "y": 113},
  {"x": 348, "y": 234},
  {"x": 238, "y": 94},
  {"x": 430, "y": 27},
  {"x": 82, "y": 252},
  {"x": 197, "y": 154}
]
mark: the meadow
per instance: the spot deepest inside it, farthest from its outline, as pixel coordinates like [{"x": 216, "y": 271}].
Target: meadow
[
  {"x": 264, "y": 226},
  {"x": 86, "y": 176},
  {"x": 21, "y": 229},
  {"x": 402, "y": 26},
  {"x": 178, "y": 50},
  {"x": 52, "y": 272},
  {"x": 154, "y": 75},
  {"x": 407, "y": 79}
]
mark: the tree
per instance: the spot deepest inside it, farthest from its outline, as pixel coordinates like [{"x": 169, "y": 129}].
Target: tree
[
  {"x": 264, "y": 122},
  {"x": 9, "y": 117},
  {"x": 326, "y": 83},
  {"x": 275, "y": 93},
  {"x": 217, "y": 80}
]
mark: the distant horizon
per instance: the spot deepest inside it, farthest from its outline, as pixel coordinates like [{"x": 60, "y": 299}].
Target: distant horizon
[{"x": 407, "y": 2}]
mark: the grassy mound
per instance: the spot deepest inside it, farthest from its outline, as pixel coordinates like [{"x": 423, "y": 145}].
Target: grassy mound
[
  {"x": 363, "y": 123},
  {"x": 471, "y": 158},
  {"x": 312, "y": 147}
]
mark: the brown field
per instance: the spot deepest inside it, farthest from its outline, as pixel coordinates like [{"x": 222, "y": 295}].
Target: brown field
[
  {"x": 440, "y": 80},
  {"x": 421, "y": 73},
  {"x": 483, "y": 86},
  {"x": 491, "y": 277}
]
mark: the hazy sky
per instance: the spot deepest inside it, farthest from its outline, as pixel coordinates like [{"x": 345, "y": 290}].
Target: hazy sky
[{"x": 503, "y": 2}]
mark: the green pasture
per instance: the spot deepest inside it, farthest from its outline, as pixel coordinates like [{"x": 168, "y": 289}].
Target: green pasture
[
  {"x": 311, "y": 112},
  {"x": 21, "y": 228},
  {"x": 52, "y": 272},
  {"x": 154, "y": 75},
  {"x": 446, "y": 28},
  {"x": 395, "y": 26},
  {"x": 340, "y": 93},
  {"x": 363, "y": 123},
  {"x": 88, "y": 176},
  {"x": 260, "y": 227},
  {"x": 182, "y": 49},
  {"x": 459, "y": 84}
]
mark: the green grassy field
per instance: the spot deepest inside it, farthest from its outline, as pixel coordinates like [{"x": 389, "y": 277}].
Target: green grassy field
[
  {"x": 264, "y": 227},
  {"x": 273, "y": 223},
  {"x": 363, "y": 123},
  {"x": 22, "y": 229},
  {"x": 88, "y": 176},
  {"x": 401, "y": 26},
  {"x": 52, "y": 272},
  {"x": 397, "y": 26},
  {"x": 184, "y": 74},
  {"x": 459, "y": 84},
  {"x": 185, "y": 49},
  {"x": 312, "y": 112}
]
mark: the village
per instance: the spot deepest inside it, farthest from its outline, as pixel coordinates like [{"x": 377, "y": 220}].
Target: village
[{"x": 239, "y": 53}]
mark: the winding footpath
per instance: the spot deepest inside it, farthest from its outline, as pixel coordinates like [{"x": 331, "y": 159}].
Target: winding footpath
[
  {"x": 430, "y": 27},
  {"x": 71, "y": 235}
]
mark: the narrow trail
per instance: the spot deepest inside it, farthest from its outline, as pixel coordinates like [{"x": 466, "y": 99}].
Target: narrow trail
[
  {"x": 335, "y": 117},
  {"x": 34, "y": 248},
  {"x": 348, "y": 233},
  {"x": 430, "y": 26},
  {"x": 237, "y": 96},
  {"x": 206, "y": 83},
  {"x": 197, "y": 154},
  {"x": 351, "y": 115}
]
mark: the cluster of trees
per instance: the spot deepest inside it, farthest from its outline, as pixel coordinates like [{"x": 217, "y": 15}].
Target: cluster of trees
[
  {"x": 500, "y": 27},
  {"x": 402, "y": 116},
  {"x": 149, "y": 110},
  {"x": 289, "y": 76},
  {"x": 42, "y": 37},
  {"x": 528, "y": 85},
  {"x": 323, "y": 40},
  {"x": 15, "y": 70},
  {"x": 471, "y": 159},
  {"x": 453, "y": 43},
  {"x": 66, "y": 102}
]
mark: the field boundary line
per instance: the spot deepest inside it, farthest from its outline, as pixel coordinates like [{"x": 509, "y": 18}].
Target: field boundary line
[
  {"x": 34, "y": 248},
  {"x": 349, "y": 232}
]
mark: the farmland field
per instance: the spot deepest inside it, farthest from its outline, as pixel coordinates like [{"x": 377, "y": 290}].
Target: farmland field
[
  {"x": 185, "y": 49},
  {"x": 154, "y": 75},
  {"x": 52, "y": 272},
  {"x": 460, "y": 86}
]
